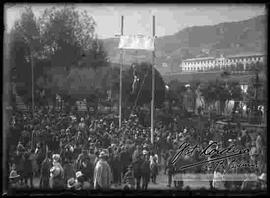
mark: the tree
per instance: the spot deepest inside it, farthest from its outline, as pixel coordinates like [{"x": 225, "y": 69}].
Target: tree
[
  {"x": 186, "y": 54},
  {"x": 25, "y": 42},
  {"x": 65, "y": 39},
  {"x": 177, "y": 90},
  {"x": 67, "y": 34},
  {"x": 143, "y": 93},
  {"x": 216, "y": 91}
]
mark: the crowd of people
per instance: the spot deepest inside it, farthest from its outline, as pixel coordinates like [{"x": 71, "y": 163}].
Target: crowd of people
[{"x": 74, "y": 150}]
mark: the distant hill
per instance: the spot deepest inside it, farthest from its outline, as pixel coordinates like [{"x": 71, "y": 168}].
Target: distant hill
[{"x": 228, "y": 38}]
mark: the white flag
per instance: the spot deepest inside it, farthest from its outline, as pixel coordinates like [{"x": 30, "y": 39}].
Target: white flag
[{"x": 137, "y": 42}]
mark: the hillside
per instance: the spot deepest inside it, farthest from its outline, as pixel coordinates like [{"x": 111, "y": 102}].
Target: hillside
[{"x": 227, "y": 38}]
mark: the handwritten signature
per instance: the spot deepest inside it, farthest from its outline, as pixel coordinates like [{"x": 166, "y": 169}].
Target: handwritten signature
[{"x": 211, "y": 152}]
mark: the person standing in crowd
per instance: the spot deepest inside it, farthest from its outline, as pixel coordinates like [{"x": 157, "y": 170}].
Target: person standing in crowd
[
  {"x": 136, "y": 153},
  {"x": 129, "y": 180},
  {"x": 87, "y": 170},
  {"x": 154, "y": 169},
  {"x": 258, "y": 141},
  {"x": 82, "y": 157},
  {"x": 57, "y": 173},
  {"x": 170, "y": 168},
  {"x": 32, "y": 158},
  {"x": 92, "y": 155},
  {"x": 45, "y": 172},
  {"x": 102, "y": 173},
  {"x": 145, "y": 170},
  {"x": 124, "y": 160},
  {"x": 69, "y": 171},
  {"x": 116, "y": 169},
  {"x": 40, "y": 155},
  {"x": 137, "y": 168},
  {"x": 19, "y": 161},
  {"x": 28, "y": 170}
]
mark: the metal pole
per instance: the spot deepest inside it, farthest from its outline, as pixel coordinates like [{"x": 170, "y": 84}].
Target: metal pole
[
  {"x": 153, "y": 87},
  {"x": 121, "y": 69},
  {"x": 33, "y": 95}
]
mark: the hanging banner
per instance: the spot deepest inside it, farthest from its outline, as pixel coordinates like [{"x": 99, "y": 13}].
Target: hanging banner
[{"x": 137, "y": 42}]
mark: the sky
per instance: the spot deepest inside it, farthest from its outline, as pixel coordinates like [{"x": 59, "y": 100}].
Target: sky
[{"x": 170, "y": 18}]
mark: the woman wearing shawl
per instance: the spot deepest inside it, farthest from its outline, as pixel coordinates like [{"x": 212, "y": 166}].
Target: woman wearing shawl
[
  {"x": 102, "y": 173},
  {"x": 57, "y": 173}
]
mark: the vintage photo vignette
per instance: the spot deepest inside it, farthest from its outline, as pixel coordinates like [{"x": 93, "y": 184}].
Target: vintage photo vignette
[{"x": 117, "y": 192}]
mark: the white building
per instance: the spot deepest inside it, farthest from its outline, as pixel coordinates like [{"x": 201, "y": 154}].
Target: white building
[{"x": 215, "y": 64}]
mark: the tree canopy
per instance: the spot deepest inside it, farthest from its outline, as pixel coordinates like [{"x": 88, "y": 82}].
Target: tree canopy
[{"x": 67, "y": 53}]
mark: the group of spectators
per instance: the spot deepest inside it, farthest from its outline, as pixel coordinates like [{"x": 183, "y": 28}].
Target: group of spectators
[{"x": 74, "y": 150}]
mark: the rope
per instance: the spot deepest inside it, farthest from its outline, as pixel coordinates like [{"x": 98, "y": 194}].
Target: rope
[{"x": 140, "y": 90}]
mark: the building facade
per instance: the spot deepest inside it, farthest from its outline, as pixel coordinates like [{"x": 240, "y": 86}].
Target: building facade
[{"x": 232, "y": 63}]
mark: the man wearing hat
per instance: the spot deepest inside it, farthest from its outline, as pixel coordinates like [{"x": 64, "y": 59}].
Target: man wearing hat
[
  {"x": 102, "y": 173},
  {"x": 45, "y": 172},
  {"x": 170, "y": 168},
  {"x": 68, "y": 167},
  {"x": 146, "y": 171}
]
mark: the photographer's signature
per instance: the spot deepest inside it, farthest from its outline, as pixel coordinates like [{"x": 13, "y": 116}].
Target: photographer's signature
[{"x": 212, "y": 152}]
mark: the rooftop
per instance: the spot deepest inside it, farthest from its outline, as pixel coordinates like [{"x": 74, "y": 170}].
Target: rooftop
[{"x": 202, "y": 58}]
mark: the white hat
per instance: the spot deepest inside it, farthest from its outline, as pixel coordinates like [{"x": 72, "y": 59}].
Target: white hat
[
  {"x": 13, "y": 174},
  {"x": 79, "y": 174},
  {"x": 71, "y": 149},
  {"x": 145, "y": 152},
  {"x": 262, "y": 177},
  {"x": 187, "y": 85},
  {"x": 230, "y": 140},
  {"x": 71, "y": 183},
  {"x": 211, "y": 141},
  {"x": 55, "y": 170},
  {"x": 102, "y": 154},
  {"x": 56, "y": 157}
]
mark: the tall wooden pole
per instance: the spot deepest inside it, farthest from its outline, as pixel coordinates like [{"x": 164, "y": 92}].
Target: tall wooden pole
[
  {"x": 153, "y": 87},
  {"x": 121, "y": 69},
  {"x": 33, "y": 95}
]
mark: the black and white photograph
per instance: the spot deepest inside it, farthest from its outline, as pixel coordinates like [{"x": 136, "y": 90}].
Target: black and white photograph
[{"x": 134, "y": 98}]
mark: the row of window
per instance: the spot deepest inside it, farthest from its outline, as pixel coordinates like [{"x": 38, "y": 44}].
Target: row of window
[
  {"x": 225, "y": 61},
  {"x": 214, "y": 67}
]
